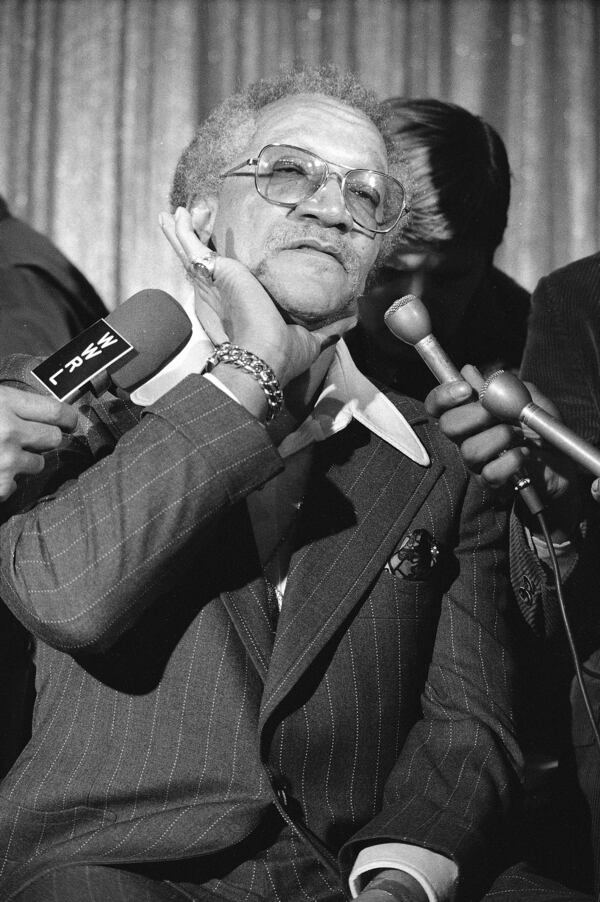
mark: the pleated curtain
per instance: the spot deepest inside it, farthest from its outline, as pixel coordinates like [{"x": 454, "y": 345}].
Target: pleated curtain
[{"x": 98, "y": 97}]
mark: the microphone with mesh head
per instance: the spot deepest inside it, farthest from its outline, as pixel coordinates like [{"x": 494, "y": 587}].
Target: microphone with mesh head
[
  {"x": 505, "y": 396},
  {"x": 408, "y": 319}
]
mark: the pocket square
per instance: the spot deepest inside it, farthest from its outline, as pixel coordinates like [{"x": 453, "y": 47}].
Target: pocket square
[{"x": 415, "y": 556}]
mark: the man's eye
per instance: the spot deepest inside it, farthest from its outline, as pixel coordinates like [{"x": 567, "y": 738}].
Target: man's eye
[
  {"x": 289, "y": 167},
  {"x": 367, "y": 196}
]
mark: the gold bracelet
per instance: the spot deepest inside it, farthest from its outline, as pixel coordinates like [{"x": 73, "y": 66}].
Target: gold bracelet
[{"x": 255, "y": 367}]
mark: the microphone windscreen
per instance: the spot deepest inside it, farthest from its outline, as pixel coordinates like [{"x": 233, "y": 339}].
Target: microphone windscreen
[
  {"x": 157, "y": 327},
  {"x": 408, "y": 319}
]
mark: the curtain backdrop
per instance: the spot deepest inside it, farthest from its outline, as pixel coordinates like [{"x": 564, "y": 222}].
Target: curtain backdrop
[{"x": 98, "y": 97}]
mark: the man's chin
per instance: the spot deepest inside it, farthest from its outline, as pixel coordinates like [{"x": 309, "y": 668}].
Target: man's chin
[{"x": 320, "y": 300}]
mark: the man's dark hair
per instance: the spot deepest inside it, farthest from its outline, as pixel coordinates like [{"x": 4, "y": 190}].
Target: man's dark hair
[
  {"x": 223, "y": 138},
  {"x": 460, "y": 174}
]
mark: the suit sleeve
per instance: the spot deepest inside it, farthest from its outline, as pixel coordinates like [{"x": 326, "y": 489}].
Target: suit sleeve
[
  {"x": 561, "y": 358},
  {"x": 81, "y": 565},
  {"x": 561, "y": 353},
  {"x": 38, "y": 315},
  {"x": 451, "y": 787}
]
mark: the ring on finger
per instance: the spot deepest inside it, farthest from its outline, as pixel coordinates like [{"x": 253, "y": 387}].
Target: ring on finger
[{"x": 204, "y": 268}]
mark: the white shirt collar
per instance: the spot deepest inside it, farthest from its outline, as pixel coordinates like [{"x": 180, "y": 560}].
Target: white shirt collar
[{"x": 347, "y": 395}]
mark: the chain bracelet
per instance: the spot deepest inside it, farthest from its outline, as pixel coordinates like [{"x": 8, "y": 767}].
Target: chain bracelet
[{"x": 255, "y": 367}]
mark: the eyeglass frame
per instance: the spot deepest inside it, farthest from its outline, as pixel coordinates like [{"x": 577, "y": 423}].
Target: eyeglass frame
[{"x": 341, "y": 180}]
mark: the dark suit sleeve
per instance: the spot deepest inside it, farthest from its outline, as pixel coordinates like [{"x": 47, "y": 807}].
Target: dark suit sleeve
[
  {"x": 83, "y": 564},
  {"x": 456, "y": 774},
  {"x": 38, "y": 315},
  {"x": 561, "y": 354},
  {"x": 561, "y": 358}
]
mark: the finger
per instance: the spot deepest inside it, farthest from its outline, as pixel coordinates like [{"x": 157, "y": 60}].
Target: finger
[
  {"x": 39, "y": 436},
  {"x": 40, "y": 408},
  {"x": 487, "y": 446},
  {"x": 14, "y": 465},
  {"x": 472, "y": 375},
  {"x": 167, "y": 224},
  {"x": 501, "y": 471},
  {"x": 447, "y": 396},
  {"x": 469, "y": 419}
]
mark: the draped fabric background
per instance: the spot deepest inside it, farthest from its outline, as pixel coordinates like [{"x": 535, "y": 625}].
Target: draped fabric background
[{"x": 98, "y": 97}]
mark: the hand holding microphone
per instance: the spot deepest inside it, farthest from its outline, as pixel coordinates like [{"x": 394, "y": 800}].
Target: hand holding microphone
[
  {"x": 507, "y": 398},
  {"x": 479, "y": 435},
  {"x": 29, "y": 425}
]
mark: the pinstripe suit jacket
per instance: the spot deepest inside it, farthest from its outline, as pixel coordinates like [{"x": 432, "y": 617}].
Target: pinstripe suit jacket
[{"x": 170, "y": 717}]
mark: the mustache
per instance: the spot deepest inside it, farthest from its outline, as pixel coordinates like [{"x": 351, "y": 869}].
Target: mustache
[{"x": 286, "y": 234}]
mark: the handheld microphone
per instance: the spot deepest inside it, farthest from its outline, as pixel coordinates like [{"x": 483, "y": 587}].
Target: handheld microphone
[
  {"x": 505, "y": 396},
  {"x": 408, "y": 319},
  {"x": 129, "y": 346}
]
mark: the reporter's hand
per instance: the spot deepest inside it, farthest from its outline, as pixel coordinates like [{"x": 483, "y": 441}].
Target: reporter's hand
[
  {"x": 497, "y": 451},
  {"x": 29, "y": 424},
  {"x": 235, "y": 307}
]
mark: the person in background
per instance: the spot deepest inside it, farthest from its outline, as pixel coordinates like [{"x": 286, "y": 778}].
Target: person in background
[
  {"x": 445, "y": 255},
  {"x": 273, "y": 618},
  {"x": 562, "y": 361},
  {"x": 44, "y": 299},
  {"x": 44, "y": 302}
]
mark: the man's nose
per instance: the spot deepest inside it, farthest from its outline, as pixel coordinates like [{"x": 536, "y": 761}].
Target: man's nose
[{"x": 327, "y": 205}]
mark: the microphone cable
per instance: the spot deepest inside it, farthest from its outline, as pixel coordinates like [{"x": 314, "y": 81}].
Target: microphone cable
[{"x": 567, "y": 625}]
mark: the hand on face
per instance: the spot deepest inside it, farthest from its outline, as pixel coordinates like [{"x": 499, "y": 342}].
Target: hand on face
[
  {"x": 29, "y": 425},
  {"x": 494, "y": 450},
  {"x": 236, "y": 308}
]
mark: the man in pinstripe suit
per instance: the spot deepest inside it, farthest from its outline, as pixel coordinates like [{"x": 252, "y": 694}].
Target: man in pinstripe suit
[{"x": 273, "y": 652}]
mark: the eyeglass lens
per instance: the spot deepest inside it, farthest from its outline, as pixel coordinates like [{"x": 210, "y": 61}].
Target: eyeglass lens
[{"x": 289, "y": 175}]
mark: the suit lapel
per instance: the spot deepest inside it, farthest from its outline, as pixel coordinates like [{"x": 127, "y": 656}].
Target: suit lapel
[{"x": 363, "y": 496}]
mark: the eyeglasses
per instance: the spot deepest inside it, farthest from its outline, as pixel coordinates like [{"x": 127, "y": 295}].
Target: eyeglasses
[{"x": 286, "y": 175}]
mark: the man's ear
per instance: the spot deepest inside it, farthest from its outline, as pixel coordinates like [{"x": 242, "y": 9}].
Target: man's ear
[{"x": 203, "y": 211}]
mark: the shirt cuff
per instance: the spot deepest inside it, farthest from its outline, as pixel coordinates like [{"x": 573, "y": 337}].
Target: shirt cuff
[
  {"x": 219, "y": 384},
  {"x": 436, "y": 873}
]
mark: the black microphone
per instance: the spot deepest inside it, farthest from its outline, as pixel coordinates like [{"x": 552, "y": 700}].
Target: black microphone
[
  {"x": 408, "y": 319},
  {"x": 505, "y": 396},
  {"x": 128, "y": 347}
]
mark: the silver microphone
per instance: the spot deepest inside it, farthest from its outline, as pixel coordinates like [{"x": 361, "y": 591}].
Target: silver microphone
[
  {"x": 505, "y": 396},
  {"x": 408, "y": 319}
]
